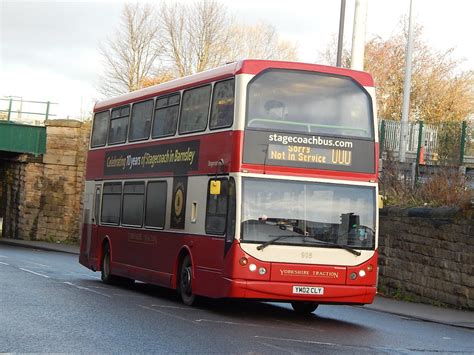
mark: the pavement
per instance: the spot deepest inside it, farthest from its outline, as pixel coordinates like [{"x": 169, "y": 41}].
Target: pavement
[
  {"x": 35, "y": 244},
  {"x": 419, "y": 311}
]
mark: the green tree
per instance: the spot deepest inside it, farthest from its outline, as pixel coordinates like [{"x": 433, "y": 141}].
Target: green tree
[{"x": 440, "y": 90}]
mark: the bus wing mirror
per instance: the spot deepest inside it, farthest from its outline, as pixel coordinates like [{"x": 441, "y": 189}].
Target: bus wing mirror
[
  {"x": 380, "y": 201},
  {"x": 215, "y": 187}
]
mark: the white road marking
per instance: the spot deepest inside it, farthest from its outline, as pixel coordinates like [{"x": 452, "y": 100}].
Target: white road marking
[
  {"x": 230, "y": 323},
  {"x": 310, "y": 330},
  {"x": 354, "y": 348},
  {"x": 33, "y": 263},
  {"x": 297, "y": 340},
  {"x": 3, "y": 263},
  {"x": 35, "y": 273},
  {"x": 100, "y": 287},
  {"x": 86, "y": 289},
  {"x": 169, "y": 314},
  {"x": 299, "y": 326},
  {"x": 277, "y": 347},
  {"x": 175, "y": 307},
  {"x": 75, "y": 273}
]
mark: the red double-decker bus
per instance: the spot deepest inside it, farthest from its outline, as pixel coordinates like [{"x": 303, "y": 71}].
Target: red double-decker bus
[{"x": 254, "y": 180}]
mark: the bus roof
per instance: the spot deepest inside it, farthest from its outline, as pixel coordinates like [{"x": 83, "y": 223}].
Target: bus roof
[{"x": 249, "y": 66}]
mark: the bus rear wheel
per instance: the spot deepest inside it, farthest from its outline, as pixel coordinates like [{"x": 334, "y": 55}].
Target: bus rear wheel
[
  {"x": 106, "y": 273},
  {"x": 304, "y": 307},
  {"x": 185, "y": 287}
]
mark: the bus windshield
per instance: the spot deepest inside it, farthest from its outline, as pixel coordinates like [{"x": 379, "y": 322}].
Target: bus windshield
[
  {"x": 308, "y": 213},
  {"x": 307, "y": 102}
]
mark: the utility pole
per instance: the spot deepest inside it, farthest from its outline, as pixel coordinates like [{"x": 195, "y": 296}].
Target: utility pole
[
  {"x": 406, "y": 90},
  {"x": 358, "y": 35},
  {"x": 341, "y": 33}
]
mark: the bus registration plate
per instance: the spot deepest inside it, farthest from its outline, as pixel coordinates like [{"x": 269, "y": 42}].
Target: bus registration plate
[{"x": 308, "y": 290}]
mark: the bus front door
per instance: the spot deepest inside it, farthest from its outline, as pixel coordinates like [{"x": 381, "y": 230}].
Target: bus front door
[{"x": 94, "y": 227}]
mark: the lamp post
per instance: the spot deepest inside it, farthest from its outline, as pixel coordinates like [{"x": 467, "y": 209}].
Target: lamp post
[
  {"x": 358, "y": 35},
  {"x": 406, "y": 90},
  {"x": 341, "y": 33}
]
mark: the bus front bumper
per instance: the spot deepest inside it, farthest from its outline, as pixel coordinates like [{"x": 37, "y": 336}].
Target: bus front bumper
[{"x": 284, "y": 291}]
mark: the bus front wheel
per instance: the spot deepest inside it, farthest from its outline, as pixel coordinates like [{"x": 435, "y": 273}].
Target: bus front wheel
[
  {"x": 304, "y": 307},
  {"x": 185, "y": 288}
]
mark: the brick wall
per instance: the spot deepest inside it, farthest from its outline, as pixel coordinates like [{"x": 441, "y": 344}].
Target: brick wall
[
  {"x": 427, "y": 255},
  {"x": 44, "y": 194}
]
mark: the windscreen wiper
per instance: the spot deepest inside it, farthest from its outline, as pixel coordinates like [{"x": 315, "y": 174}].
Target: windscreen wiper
[
  {"x": 312, "y": 238},
  {"x": 271, "y": 241}
]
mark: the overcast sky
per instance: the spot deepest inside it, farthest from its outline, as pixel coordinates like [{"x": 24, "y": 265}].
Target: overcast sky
[{"x": 48, "y": 49}]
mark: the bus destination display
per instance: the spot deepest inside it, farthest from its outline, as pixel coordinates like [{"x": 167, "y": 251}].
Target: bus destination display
[
  {"x": 309, "y": 151},
  {"x": 309, "y": 154}
]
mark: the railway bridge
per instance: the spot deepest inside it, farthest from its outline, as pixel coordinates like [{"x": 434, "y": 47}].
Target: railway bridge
[{"x": 41, "y": 179}]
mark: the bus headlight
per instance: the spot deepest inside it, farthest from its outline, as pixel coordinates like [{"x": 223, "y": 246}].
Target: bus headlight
[
  {"x": 353, "y": 276},
  {"x": 262, "y": 271},
  {"x": 362, "y": 273},
  {"x": 252, "y": 267}
]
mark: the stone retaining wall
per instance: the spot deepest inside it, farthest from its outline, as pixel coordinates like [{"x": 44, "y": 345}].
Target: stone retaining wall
[
  {"x": 427, "y": 255},
  {"x": 44, "y": 194}
]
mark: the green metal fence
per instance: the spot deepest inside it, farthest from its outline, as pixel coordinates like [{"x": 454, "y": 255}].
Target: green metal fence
[
  {"x": 446, "y": 143},
  {"x": 11, "y": 108}
]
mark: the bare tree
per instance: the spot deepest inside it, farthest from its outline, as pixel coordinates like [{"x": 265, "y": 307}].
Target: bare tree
[
  {"x": 195, "y": 35},
  {"x": 260, "y": 41},
  {"x": 203, "y": 35},
  {"x": 183, "y": 39},
  {"x": 328, "y": 55},
  {"x": 131, "y": 55}
]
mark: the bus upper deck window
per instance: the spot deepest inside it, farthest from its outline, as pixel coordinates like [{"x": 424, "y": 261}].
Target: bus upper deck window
[
  {"x": 119, "y": 125},
  {"x": 166, "y": 116},
  {"x": 140, "y": 122},
  {"x": 99, "y": 130},
  {"x": 222, "y": 111},
  {"x": 195, "y": 110}
]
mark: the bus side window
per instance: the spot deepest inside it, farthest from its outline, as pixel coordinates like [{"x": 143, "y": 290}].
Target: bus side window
[
  {"x": 132, "y": 206},
  {"x": 111, "y": 196},
  {"x": 155, "y": 209},
  {"x": 222, "y": 111},
  {"x": 140, "y": 122},
  {"x": 99, "y": 130},
  {"x": 216, "y": 209},
  {"x": 166, "y": 116},
  {"x": 195, "y": 110},
  {"x": 119, "y": 125}
]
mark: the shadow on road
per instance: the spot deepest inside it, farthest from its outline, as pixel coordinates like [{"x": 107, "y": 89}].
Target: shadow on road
[{"x": 239, "y": 309}]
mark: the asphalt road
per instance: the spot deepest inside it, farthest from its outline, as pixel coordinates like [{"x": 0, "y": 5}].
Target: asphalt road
[{"x": 50, "y": 303}]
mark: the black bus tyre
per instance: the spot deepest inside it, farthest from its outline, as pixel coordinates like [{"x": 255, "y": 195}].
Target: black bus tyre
[
  {"x": 105, "y": 273},
  {"x": 304, "y": 307},
  {"x": 185, "y": 287}
]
